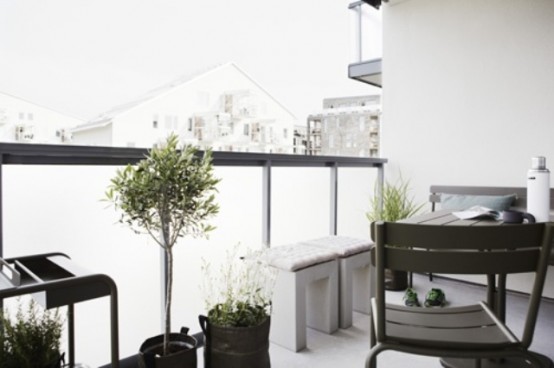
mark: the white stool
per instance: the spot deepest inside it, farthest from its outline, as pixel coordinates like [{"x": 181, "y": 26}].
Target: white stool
[
  {"x": 305, "y": 293},
  {"x": 354, "y": 257}
]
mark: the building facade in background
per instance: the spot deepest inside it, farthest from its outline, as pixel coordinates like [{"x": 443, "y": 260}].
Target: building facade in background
[
  {"x": 347, "y": 126},
  {"x": 223, "y": 108},
  {"x": 22, "y": 121}
]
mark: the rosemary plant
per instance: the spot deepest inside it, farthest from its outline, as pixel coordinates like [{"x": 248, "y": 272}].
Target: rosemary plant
[{"x": 240, "y": 293}]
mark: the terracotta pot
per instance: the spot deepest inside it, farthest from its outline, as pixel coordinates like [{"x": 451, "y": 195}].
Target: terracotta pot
[{"x": 182, "y": 349}]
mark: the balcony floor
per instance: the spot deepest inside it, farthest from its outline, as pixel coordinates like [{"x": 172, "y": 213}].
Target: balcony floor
[{"x": 348, "y": 347}]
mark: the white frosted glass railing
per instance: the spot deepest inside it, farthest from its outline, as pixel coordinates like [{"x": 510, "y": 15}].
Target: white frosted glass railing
[
  {"x": 366, "y": 33},
  {"x": 47, "y": 207}
]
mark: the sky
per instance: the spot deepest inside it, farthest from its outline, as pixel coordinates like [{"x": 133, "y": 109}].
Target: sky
[{"x": 83, "y": 57}]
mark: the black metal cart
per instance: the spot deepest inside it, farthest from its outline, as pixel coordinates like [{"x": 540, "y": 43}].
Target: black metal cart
[{"x": 54, "y": 281}]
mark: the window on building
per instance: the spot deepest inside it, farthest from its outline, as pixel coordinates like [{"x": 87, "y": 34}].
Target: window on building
[
  {"x": 21, "y": 116},
  {"x": 30, "y": 116},
  {"x": 190, "y": 125},
  {"x": 285, "y": 133},
  {"x": 246, "y": 129},
  {"x": 155, "y": 124}
]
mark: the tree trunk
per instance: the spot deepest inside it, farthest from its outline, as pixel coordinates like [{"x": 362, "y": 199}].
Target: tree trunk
[{"x": 169, "y": 253}]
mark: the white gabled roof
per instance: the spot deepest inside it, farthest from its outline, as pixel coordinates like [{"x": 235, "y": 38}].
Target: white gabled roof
[
  {"x": 104, "y": 118},
  {"x": 41, "y": 106}
]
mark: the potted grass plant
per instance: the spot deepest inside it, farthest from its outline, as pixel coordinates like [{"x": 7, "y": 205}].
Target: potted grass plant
[
  {"x": 393, "y": 204},
  {"x": 31, "y": 339},
  {"x": 168, "y": 195},
  {"x": 238, "y": 304}
]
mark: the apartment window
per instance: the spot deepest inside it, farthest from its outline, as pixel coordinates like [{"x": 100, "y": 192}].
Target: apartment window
[
  {"x": 285, "y": 133},
  {"x": 190, "y": 125},
  {"x": 21, "y": 116},
  {"x": 246, "y": 129},
  {"x": 155, "y": 124},
  {"x": 30, "y": 116}
]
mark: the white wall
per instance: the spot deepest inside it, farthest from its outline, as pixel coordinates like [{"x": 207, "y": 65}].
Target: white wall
[
  {"x": 201, "y": 94},
  {"x": 43, "y": 121},
  {"x": 101, "y": 136},
  {"x": 468, "y": 91}
]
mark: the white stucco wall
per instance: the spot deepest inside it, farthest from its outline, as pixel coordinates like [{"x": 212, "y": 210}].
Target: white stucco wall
[
  {"x": 468, "y": 91},
  {"x": 201, "y": 94},
  {"x": 100, "y": 136},
  {"x": 41, "y": 121}
]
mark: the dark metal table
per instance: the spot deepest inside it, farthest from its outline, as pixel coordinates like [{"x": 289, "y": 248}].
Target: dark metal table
[{"x": 496, "y": 292}]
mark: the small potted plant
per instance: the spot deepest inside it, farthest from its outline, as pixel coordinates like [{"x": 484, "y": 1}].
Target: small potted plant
[
  {"x": 238, "y": 301},
  {"x": 32, "y": 339},
  {"x": 168, "y": 194},
  {"x": 396, "y": 205}
]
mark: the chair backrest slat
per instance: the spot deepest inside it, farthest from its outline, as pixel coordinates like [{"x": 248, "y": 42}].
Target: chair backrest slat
[
  {"x": 465, "y": 237},
  {"x": 462, "y": 262}
]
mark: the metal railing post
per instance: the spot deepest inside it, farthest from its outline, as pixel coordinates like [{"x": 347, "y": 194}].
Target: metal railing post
[
  {"x": 266, "y": 204},
  {"x": 380, "y": 185},
  {"x": 334, "y": 199}
]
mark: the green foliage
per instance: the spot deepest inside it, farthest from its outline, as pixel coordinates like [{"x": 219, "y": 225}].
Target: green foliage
[
  {"x": 240, "y": 294},
  {"x": 397, "y": 204},
  {"x": 238, "y": 314},
  {"x": 32, "y": 340},
  {"x": 168, "y": 194}
]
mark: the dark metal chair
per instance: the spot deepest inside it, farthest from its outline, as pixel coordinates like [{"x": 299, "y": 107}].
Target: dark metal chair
[{"x": 472, "y": 331}]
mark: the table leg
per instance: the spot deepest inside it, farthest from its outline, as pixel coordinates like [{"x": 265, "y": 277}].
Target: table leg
[{"x": 71, "y": 333}]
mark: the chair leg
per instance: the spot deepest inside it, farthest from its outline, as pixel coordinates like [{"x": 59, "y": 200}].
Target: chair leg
[
  {"x": 371, "y": 360},
  {"x": 535, "y": 362}
]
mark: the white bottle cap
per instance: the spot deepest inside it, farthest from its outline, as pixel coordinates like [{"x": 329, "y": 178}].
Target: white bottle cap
[{"x": 538, "y": 163}]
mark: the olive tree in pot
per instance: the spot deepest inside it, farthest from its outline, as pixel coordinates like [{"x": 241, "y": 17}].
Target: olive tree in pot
[
  {"x": 238, "y": 301},
  {"x": 396, "y": 205},
  {"x": 168, "y": 194}
]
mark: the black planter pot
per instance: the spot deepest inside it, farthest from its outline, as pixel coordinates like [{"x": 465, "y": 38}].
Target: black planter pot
[
  {"x": 182, "y": 351},
  {"x": 236, "y": 347},
  {"x": 396, "y": 280},
  {"x": 59, "y": 363}
]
